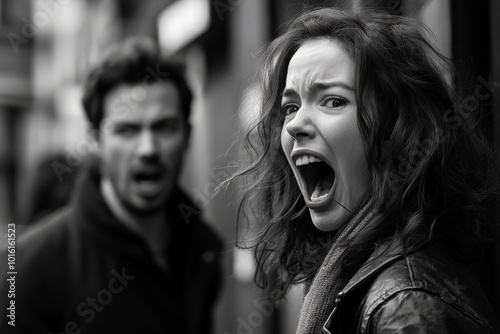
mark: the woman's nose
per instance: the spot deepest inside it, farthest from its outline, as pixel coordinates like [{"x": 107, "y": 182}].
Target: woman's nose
[{"x": 301, "y": 126}]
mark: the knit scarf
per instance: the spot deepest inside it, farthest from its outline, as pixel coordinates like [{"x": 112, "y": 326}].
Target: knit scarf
[{"x": 319, "y": 301}]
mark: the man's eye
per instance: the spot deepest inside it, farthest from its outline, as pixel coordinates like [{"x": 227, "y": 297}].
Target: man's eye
[
  {"x": 167, "y": 126},
  {"x": 289, "y": 109},
  {"x": 125, "y": 129},
  {"x": 335, "y": 102}
]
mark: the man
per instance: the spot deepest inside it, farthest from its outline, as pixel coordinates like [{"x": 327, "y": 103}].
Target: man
[{"x": 130, "y": 254}]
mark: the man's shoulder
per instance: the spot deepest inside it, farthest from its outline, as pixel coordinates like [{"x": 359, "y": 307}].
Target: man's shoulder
[
  {"x": 41, "y": 264},
  {"x": 50, "y": 225},
  {"x": 191, "y": 215},
  {"x": 208, "y": 232},
  {"x": 45, "y": 237}
]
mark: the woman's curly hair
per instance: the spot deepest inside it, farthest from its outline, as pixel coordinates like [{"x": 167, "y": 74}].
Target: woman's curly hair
[{"x": 432, "y": 170}]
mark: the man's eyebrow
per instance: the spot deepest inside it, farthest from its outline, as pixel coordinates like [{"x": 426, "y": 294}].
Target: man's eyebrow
[
  {"x": 318, "y": 85},
  {"x": 165, "y": 120},
  {"x": 125, "y": 122}
]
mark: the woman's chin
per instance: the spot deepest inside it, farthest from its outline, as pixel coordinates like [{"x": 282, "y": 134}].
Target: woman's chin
[{"x": 330, "y": 220}]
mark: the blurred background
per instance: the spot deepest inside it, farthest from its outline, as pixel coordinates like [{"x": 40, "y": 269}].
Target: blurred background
[{"x": 47, "y": 47}]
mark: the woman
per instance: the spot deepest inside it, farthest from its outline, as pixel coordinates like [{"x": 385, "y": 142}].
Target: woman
[{"x": 370, "y": 179}]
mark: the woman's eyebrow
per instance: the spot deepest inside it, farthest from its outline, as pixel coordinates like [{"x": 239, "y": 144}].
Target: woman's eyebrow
[
  {"x": 318, "y": 86},
  {"x": 288, "y": 92}
]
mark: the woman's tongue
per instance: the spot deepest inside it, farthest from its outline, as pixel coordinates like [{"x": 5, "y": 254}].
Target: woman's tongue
[{"x": 322, "y": 188}]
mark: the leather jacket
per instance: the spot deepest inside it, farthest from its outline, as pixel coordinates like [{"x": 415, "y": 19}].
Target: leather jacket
[{"x": 424, "y": 292}]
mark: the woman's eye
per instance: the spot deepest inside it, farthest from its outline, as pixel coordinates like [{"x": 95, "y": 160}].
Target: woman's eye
[
  {"x": 335, "y": 102},
  {"x": 289, "y": 109}
]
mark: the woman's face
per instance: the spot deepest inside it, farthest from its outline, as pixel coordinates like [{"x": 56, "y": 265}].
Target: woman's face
[{"x": 320, "y": 135}]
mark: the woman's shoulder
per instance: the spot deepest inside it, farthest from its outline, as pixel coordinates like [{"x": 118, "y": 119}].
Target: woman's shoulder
[{"x": 429, "y": 289}]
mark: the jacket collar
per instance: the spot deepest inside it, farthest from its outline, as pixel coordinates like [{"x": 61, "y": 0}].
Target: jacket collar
[
  {"x": 381, "y": 258},
  {"x": 95, "y": 218}
]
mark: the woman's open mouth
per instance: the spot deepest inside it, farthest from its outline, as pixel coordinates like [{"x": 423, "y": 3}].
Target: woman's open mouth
[{"x": 317, "y": 177}]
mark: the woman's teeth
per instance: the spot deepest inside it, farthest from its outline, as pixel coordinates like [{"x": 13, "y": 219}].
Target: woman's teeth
[
  {"x": 306, "y": 159},
  {"x": 317, "y": 177},
  {"x": 316, "y": 198}
]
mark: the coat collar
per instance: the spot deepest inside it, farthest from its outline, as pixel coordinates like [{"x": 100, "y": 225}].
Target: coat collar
[
  {"x": 94, "y": 217},
  {"x": 381, "y": 258}
]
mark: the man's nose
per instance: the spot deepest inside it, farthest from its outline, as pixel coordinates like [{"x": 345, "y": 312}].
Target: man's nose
[
  {"x": 147, "y": 147},
  {"x": 301, "y": 126}
]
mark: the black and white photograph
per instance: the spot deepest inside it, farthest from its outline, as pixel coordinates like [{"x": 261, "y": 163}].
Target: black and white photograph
[{"x": 250, "y": 166}]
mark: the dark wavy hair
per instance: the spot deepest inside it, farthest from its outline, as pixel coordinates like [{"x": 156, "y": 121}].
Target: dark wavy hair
[
  {"x": 136, "y": 61},
  {"x": 432, "y": 170}
]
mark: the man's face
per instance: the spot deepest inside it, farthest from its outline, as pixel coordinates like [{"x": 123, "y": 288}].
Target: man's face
[{"x": 142, "y": 139}]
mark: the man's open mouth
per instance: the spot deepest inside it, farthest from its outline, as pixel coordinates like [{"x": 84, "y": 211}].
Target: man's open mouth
[
  {"x": 149, "y": 182},
  {"x": 147, "y": 176},
  {"x": 317, "y": 176}
]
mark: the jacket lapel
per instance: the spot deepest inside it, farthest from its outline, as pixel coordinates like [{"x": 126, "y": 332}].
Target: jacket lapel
[{"x": 380, "y": 259}]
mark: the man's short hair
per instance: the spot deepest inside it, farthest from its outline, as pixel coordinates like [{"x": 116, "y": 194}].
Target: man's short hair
[{"x": 133, "y": 62}]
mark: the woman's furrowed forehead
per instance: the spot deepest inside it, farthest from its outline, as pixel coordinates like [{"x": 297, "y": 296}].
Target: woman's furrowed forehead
[{"x": 318, "y": 63}]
